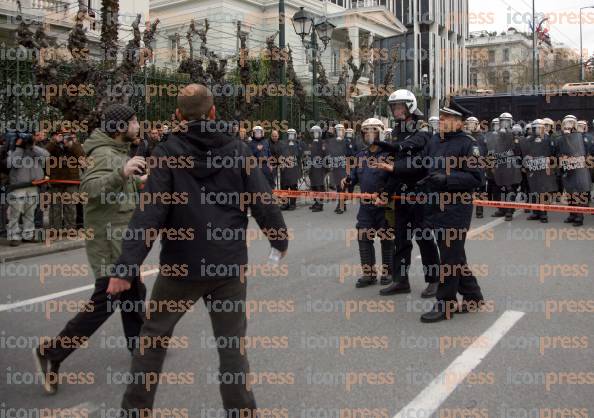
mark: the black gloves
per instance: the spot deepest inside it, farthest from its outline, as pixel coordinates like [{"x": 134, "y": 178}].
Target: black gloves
[{"x": 435, "y": 179}]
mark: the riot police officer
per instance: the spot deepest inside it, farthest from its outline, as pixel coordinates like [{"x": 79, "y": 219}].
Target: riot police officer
[
  {"x": 473, "y": 128},
  {"x": 338, "y": 150},
  {"x": 409, "y": 225},
  {"x": 317, "y": 166},
  {"x": 371, "y": 219},
  {"x": 503, "y": 149},
  {"x": 261, "y": 149},
  {"x": 537, "y": 151},
  {"x": 433, "y": 125},
  {"x": 290, "y": 154},
  {"x": 575, "y": 177}
]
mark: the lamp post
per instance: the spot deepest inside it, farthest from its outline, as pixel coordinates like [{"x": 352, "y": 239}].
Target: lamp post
[
  {"x": 581, "y": 48},
  {"x": 303, "y": 23}
]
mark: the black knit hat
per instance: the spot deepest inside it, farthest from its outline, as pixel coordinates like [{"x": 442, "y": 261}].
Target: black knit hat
[{"x": 116, "y": 117}]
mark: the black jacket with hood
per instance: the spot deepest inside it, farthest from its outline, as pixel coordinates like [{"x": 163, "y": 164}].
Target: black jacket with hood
[{"x": 198, "y": 208}]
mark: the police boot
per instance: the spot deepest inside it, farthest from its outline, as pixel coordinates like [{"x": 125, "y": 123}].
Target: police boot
[
  {"x": 400, "y": 286},
  {"x": 441, "y": 311},
  {"x": 578, "y": 220},
  {"x": 544, "y": 219},
  {"x": 509, "y": 216},
  {"x": 284, "y": 206},
  {"x": 499, "y": 213},
  {"x": 430, "y": 291},
  {"x": 534, "y": 217},
  {"x": 570, "y": 219},
  {"x": 317, "y": 207},
  {"x": 479, "y": 212},
  {"x": 367, "y": 254},
  {"x": 387, "y": 261}
]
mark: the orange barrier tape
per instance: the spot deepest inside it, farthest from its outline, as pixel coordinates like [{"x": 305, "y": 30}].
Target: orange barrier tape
[{"x": 487, "y": 203}]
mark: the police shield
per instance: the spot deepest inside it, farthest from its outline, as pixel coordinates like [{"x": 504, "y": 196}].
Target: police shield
[
  {"x": 572, "y": 160},
  {"x": 507, "y": 167},
  {"x": 541, "y": 176}
]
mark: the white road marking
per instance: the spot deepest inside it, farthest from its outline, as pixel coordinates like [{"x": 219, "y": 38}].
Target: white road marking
[
  {"x": 44, "y": 298},
  {"x": 89, "y": 407},
  {"x": 430, "y": 399}
]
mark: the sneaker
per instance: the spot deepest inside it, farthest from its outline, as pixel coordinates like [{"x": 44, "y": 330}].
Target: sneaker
[{"x": 46, "y": 368}]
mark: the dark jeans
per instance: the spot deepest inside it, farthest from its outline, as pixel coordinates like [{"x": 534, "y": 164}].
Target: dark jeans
[
  {"x": 455, "y": 275},
  {"x": 408, "y": 226},
  {"x": 319, "y": 202},
  {"x": 86, "y": 322},
  {"x": 225, "y": 302}
]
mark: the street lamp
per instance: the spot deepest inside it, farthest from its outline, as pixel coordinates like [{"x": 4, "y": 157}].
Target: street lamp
[
  {"x": 303, "y": 22},
  {"x": 581, "y": 48}
]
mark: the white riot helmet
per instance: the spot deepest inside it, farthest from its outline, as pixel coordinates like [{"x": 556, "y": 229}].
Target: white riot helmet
[
  {"x": 291, "y": 134},
  {"x": 349, "y": 133},
  {"x": 517, "y": 129},
  {"x": 505, "y": 121},
  {"x": 316, "y": 132},
  {"x": 548, "y": 124},
  {"x": 370, "y": 127},
  {"x": 582, "y": 126},
  {"x": 569, "y": 123},
  {"x": 258, "y": 132},
  {"x": 434, "y": 123},
  {"x": 495, "y": 124},
  {"x": 538, "y": 128},
  {"x": 339, "y": 131},
  {"x": 472, "y": 124},
  {"x": 407, "y": 98}
]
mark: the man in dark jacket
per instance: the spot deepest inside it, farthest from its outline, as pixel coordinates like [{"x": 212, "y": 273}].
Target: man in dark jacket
[
  {"x": 290, "y": 153},
  {"x": 200, "y": 261},
  {"x": 261, "y": 150}
]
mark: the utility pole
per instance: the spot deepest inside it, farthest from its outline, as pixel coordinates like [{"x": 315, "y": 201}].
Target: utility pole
[
  {"x": 533, "y": 45},
  {"x": 283, "y": 67}
]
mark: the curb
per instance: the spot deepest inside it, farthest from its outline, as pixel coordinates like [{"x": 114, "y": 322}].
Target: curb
[{"x": 35, "y": 250}]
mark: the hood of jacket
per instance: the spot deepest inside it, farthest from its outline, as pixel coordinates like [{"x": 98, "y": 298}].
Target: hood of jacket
[
  {"x": 98, "y": 138},
  {"x": 210, "y": 145}
]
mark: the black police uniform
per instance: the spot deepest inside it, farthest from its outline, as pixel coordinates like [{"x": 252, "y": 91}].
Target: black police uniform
[
  {"x": 290, "y": 152},
  {"x": 371, "y": 219},
  {"x": 481, "y": 143},
  {"x": 261, "y": 150},
  {"x": 338, "y": 151},
  {"x": 409, "y": 219},
  {"x": 317, "y": 171},
  {"x": 451, "y": 221}
]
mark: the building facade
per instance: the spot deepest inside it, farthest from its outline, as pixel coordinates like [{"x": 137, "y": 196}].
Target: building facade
[{"x": 432, "y": 57}]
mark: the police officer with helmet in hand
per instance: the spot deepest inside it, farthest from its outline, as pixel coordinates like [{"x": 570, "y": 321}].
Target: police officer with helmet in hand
[{"x": 371, "y": 219}]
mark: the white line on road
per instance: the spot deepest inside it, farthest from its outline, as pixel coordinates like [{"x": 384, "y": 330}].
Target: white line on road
[
  {"x": 429, "y": 400},
  {"x": 44, "y": 298}
]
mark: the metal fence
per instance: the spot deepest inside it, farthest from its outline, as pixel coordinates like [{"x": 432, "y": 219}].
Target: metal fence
[{"x": 21, "y": 103}]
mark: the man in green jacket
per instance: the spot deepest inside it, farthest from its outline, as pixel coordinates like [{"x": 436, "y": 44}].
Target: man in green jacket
[{"x": 109, "y": 184}]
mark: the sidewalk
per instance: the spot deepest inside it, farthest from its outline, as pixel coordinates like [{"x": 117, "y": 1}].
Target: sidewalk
[{"x": 24, "y": 250}]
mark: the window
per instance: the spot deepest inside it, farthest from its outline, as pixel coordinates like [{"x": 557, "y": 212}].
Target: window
[
  {"x": 506, "y": 55},
  {"x": 492, "y": 78},
  {"x": 506, "y": 77},
  {"x": 491, "y": 57}
]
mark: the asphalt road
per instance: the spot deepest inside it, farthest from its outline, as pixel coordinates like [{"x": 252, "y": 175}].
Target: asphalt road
[{"x": 337, "y": 351}]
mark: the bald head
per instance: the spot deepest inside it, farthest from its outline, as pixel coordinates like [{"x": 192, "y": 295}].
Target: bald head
[{"x": 194, "y": 102}]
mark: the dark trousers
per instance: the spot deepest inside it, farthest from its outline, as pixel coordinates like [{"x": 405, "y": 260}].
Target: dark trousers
[
  {"x": 340, "y": 202},
  {"x": 455, "y": 275},
  {"x": 506, "y": 194},
  {"x": 408, "y": 226},
  {"x": 367, "y": 253},
  {"x": 100, "y": 308},
  {"x": 292, "y": 200},
  {"x": 318, "y": 202},
  {"x": 225, "y": 302}
]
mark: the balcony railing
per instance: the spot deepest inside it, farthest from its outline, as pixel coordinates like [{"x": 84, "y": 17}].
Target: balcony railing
[{"x": 360, "y": 4}]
